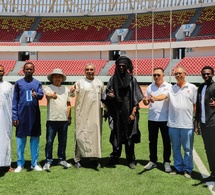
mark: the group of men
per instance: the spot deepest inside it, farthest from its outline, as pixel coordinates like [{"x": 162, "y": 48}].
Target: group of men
[
  {"x": 23, "y": 112},
  {"x": 171, "y": 109},
  {"x": 179, "y": 111}
]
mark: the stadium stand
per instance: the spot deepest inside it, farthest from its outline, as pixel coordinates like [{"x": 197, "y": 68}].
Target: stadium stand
[
  {"x": 69, "y": 67},
  {"x": 207, "y": 20},
  {"x": 199, "y": 38},
  {"x": 79, "y": 29},
  {"x": 206, "y": 23},
  {"x": 144, "y": 66},
  {"x": 161, "y": 24},
  {"x": 146, "y": 41},
  {"x": 97, "y": 30},
  {"x": 9, "y": 44},
  {"x": 193, "y": 65},
  {"x": 67, "y": 43},
  {"x": 8, "y": 65},
  {"x": 11, "y": 27}
]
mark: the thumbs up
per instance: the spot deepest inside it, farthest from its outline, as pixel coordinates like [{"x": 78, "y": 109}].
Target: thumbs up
[
  {"x": 73, "y": 88},
  {"x": 34, "y": 94},
  {"x": 54, "y": 95},
  {"x": 212, "y": 102}
]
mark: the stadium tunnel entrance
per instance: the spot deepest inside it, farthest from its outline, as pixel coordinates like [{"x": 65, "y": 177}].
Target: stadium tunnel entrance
[
  {"x": 114, "y": 55},
  {"x": 23, "y": 56}
]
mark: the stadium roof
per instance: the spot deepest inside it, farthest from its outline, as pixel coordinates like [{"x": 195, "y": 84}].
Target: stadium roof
[{"x": 91, "y": 7}]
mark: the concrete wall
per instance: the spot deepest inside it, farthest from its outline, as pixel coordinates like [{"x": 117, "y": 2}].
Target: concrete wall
[
  {"x": 72, "y": 55},
  {"x": 9, "y": 55}
]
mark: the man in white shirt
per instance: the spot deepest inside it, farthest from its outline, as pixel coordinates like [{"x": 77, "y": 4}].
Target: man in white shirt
[
  {"x": 157, "y": 119},
  {"x": 182, "y": 102},
  {"x": 58, "y": 117}
]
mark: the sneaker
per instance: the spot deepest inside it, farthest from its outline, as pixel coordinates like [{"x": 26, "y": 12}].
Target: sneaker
[
  {"x": 150, "y": 165},
  {"x": 77, "y": 165},
  {"x": 36, "y": 168},
  {"x": 187, "y": 175},
  {"x": 46, "y": 167},
  {"x": 65, "y": 164},
  {"x": 132, "y": 165},
  {"x": 167, "y": 167},
  {"x": 18, "y": 169}
]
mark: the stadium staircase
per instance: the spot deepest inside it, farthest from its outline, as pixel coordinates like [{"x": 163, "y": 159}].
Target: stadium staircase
[
  {"x": 17, "y": 68},
  {"x": 35, "y": 24},
  {"x": 128, "y": 21},
  {"x": 196, "y": 15},
  {"x": 108, "y": 65},
  {"x": 126, "y": 25},
  {"x": 194, "y": 19},
  {"x": 34, "y": 28}
]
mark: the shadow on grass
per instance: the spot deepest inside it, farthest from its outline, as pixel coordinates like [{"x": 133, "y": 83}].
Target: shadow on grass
[
  {"x": 160, "y": 166},
  {"x": 89, "y": 163},
  {"x": 122, "y": 161},
  {"x": 4, "y": 170}
]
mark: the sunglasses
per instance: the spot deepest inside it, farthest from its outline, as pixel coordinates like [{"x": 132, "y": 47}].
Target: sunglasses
[
  {"x": 180, "y": 73},
  {"x": 154, "y": 75}
]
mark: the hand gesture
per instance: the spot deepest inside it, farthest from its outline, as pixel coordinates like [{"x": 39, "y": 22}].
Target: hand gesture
[
  {"x": 111, "y": 93},
  {"x": 34, "y": 94},
  {"x": 73, "y": 88},
  {"x": 146, "y": 101},
  {"x": 212, "y": 102},
  {"x": 16, "y": 123},
  {"x": 152, "y": 98},
  {"x": 54, "y": 96}
]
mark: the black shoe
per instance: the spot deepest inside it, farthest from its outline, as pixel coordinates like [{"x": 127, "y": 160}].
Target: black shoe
[
  {"x": 78, "y": 165},
  {"x": 208, "y": 179},
  {"x": 132, "y": 165},
  {"x": 113, "y": 161}
]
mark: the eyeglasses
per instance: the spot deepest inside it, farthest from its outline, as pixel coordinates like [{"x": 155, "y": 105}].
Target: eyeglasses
[
  {"x": 154, "y": 75},
  {"x": 89, "y": 69},
  {"x": 180, "y": 73},
  {"x": 206, "y": 74}
]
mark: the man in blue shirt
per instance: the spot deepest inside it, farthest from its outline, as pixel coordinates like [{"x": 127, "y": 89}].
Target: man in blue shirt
[{"x": 26, "y": 116}]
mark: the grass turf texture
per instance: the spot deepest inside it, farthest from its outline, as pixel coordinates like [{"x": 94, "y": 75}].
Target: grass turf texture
[{"x": 105, "y": 180}]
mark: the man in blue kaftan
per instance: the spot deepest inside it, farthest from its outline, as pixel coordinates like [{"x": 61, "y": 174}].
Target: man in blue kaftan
[{"x": 26, "y": 116}]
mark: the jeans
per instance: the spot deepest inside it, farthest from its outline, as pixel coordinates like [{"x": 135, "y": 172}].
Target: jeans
[
  {"x": 34, "y": 147},
  {"x": 52, "y": 128},
  {"x": 184, "y": 137},
  {"x": 153, "y": 128}
]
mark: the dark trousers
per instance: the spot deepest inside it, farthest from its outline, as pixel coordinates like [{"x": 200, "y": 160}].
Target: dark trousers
[
  {"x": 52, "y": 128},
  {"x": 208, "y": 135},
  {"x": 153, "y": 128},
  {"x": 129, "y": 151}
]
